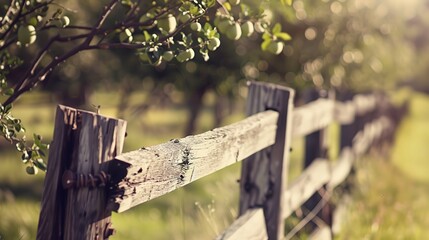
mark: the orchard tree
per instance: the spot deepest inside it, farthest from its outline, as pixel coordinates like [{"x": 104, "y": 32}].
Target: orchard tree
[
  {"x": 344, "y": 45},
  {"x": 37, "y": 36}
]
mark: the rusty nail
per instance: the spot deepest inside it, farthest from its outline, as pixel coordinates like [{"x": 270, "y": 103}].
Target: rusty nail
[{"x": 69, "y": 179}]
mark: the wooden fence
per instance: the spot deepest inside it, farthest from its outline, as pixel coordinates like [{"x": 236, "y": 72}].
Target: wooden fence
[{"x": 88, "y": 176}]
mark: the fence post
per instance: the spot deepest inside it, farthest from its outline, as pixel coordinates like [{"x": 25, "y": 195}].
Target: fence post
[
  {"x": 347, "y": 131},
  {"x": 74, "y": 199},
  {"x": 316, "y": 147},
  {"x": 264, "y": 174}
]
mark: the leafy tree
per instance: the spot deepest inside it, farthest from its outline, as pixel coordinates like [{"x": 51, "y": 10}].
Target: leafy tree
[
  {"x": 37, "y": 36},
  {"x": 343, "y": 45}
]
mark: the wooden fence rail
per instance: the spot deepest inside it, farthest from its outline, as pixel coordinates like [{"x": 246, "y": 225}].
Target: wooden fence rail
[{"x": 89, "y": 177}]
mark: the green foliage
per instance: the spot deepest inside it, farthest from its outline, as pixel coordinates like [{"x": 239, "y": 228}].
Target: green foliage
[
  {"x": 273, "y": 39},
  {"x": 45, "y": 34},
  {"x": 10, "y": 129}
]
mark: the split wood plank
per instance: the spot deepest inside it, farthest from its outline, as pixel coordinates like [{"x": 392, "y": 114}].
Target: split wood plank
[
  {"x": 250, "y": 225},
  {"x": 344, "y": 113},
  {"x": 311, "y": 180},
  {"x": 264, "y": 174},
  {"x": 154, "y": 171},
  {"x": 364, "y": 103},
  {"x": 313, "y": 116},
  {"x": 54, "y": 196},
  {"x": 319, "y": 114},
  {"x": 323, "y": 232},
  {"x": 341, "y": 168},
  {"x": 370, "y": 132}
]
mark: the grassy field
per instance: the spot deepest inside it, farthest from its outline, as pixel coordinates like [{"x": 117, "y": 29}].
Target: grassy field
[
  {"x": 384, "y": 204},
  {"x": 391, "y": 198}
]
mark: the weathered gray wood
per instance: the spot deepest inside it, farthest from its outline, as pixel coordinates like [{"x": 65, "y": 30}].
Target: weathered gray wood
[
  {"x": 316, "y": 148},
  {"x": 153, "y": 171},
  {"x": 264, "y": 174},
  {"x": 341, "y": 168},
  {"x": 83, "y": 143},
  {"x": 99, "y": 140},
  {"x": 364, "y": 103},
  {"x": 313, "y": 116},
  {"x": 344, "y": 113},
  {"x": 319, "y": 173},
  {"x": 312, "y": 179},
  {"x": 370, "y": 132},
  {"x": 54, "y": 197},
  {"x": 250, "y": 225},
  {"x": 323, "y": 232}
]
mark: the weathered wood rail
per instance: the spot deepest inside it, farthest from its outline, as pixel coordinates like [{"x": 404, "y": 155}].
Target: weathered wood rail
[{"x": 88, "y": 177}]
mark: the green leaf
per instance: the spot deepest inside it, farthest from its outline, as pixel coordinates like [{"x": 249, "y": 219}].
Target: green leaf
[
  {"x": 266, "y": 36},
  {"x": 18, "y": 128},
  {"x": 32, "y": 21},
  {"x": 245, "y": 9},
  {"x": 32, "y": 170},
  {"x": 146, "y": 36},
  {"x": 207, "y": 27},
  {"x": 9, "y": 92},
  {"x": 7, "y": 108},
  {"x": 265, "y": 44},
  {"x": 227, "y": 6},
  {"x": 37, "y": 140},
  {"x": 127, "y": 3},
  {"x": 284, "y": 36},
  {"x": 277, "y": 28},
  {"x": 3, "y": 83},
  {"x": 194, "y": 10},
  {"x": 205, "y": 54},
  {"x": 25, "y": 157},
  {"x": 42, "y": 153},
  {"x": 40, "y": 164},
  {"x": 211, "y": 3}
]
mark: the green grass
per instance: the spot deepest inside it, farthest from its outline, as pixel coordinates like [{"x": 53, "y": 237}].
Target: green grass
[
  {"x": 18, "y": 218},
  {"x": 391, "y": 197},
  {"x": 411, "y": 152},
  {"x": 386, "y": 204},
  {"x": 390, "y": 200}
]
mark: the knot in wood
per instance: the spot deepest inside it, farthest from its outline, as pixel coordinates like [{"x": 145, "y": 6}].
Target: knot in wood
[{"x": 248, "y": 186}]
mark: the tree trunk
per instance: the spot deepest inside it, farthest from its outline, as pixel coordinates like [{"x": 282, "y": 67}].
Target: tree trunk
[
  {"x": 124, "y": 100},
  {"x": 194, "y": 103},
  {"x": 219, "y": 110}
]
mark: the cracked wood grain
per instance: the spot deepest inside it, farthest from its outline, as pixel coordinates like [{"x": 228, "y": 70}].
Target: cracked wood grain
[{"x": 151, "y": 172}]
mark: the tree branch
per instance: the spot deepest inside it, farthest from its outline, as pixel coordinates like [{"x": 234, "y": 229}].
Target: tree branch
[
  {"x": 107, "y": 10},
  {"x": 132, "y": 11},
  {"x": 37, "y": 7},
  {"x": 30, "y": 79},
  {"x": 15, "y": 20}
]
